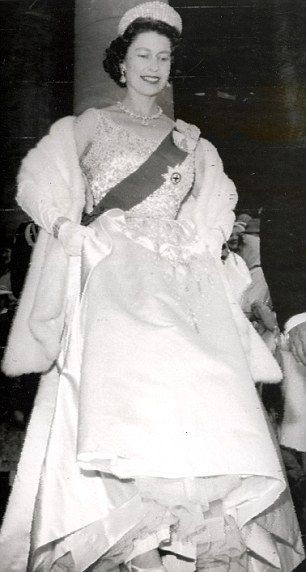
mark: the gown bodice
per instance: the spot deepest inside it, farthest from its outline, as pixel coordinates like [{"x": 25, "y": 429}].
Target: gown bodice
[{"x": 115, "y": 153}]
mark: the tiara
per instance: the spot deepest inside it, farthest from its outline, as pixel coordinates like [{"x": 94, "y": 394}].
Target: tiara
[{"x": 153, "y": 10}]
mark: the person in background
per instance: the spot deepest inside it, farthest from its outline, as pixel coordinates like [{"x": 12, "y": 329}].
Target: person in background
[
  {"x": 24, "y": 241},
  {"x": 283, "y": 255},
  {"x": 6, "y": 295},
  {"x": 249, "y": 250},
  {"x": 238, "y": 231},
  {"x": 283, "y": 247},
  {"x": 7, "y": 298},
  {"x": 256, "y": 300}
]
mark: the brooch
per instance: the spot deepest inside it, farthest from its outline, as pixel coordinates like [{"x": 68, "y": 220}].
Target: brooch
[{"x": 176, "y": 177}]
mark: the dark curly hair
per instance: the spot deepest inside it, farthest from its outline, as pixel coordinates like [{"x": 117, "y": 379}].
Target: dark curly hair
[{"x": 118, "y": 48}]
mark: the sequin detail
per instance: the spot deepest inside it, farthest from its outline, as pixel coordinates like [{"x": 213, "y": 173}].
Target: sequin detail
[
  {"x": 166, "y": 200},
  {"x": 112, "y": 157}
]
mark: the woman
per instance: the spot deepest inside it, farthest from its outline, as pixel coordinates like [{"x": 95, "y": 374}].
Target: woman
[{"x": 148, "y": 446}]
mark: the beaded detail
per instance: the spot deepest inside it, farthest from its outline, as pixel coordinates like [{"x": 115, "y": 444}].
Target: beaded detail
[
  {"x": 113, "y": 156},
  {"x": 166, "y": 200}
]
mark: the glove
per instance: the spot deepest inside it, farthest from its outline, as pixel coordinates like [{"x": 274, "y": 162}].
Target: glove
[{"x": 71, "y": 236}]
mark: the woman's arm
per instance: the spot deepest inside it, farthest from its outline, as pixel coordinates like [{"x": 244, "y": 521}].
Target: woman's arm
[
  {"x": 50, "y": 182},
  {"x": 84, "y": 129},
  {"x": 43, "y": 212},
  {"x": 42, "y": 189}
]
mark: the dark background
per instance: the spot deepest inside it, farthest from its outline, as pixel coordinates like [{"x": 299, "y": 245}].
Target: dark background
[
  {"x": 36, "y": 77},
  {"x": 240, "y": 76},
  {"x": 36, "y": 46}
]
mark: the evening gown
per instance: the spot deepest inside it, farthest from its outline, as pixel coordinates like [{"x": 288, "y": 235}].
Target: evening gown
[{"x": 158, "y": 438}]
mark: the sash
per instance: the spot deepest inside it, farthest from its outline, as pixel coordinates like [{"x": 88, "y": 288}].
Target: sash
[{"x": 140, "y": 184}]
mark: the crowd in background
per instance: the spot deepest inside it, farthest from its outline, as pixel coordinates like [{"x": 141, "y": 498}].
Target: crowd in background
[
  {"x": 258, "y": 306},
  {"x": 17, "y": 394},
  {"x": 256, "y": 303}
]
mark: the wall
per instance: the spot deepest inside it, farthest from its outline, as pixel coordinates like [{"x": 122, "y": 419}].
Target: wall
[
  {"x": 36, "y": 45},
  {"x": 241, "y": 77}
]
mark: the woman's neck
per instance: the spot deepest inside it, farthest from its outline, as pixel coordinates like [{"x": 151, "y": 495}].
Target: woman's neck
[{"x": 140, "y": 105}]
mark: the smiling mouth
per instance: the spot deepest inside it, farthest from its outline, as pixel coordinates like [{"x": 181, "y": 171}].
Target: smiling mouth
[{"x": 150, "y": 78}]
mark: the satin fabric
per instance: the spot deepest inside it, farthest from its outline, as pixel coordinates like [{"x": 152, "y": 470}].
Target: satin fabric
[{"x": 153, "y": 378}]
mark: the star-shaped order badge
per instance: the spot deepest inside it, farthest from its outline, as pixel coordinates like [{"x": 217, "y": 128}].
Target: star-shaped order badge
[{"x": 173, "y": 175}]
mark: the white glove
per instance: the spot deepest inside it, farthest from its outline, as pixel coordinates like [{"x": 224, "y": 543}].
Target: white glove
[{"x": 71, "y": 235}]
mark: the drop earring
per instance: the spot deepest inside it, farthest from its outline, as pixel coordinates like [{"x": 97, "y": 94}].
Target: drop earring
[{"x": 122, "y": 77}]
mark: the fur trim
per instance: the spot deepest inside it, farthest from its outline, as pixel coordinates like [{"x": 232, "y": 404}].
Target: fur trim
[
  {"x": 34, "y": 341},
  {"x": 212, "y": 201}
]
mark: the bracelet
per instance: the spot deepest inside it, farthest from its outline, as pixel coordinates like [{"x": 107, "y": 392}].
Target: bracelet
[{"x": 57, "y": 225}]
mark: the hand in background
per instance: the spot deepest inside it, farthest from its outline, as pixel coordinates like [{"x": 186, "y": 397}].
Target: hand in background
[
  {"x": 297, "y": 342},
  {"x": 262, "y": 312}
]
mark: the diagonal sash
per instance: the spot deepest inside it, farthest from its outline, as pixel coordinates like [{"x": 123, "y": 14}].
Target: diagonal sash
[{"x": 141, "y": 183}]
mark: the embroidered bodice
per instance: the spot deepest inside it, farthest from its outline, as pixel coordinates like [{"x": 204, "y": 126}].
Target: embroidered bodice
[{"x": 115, "y": 153}]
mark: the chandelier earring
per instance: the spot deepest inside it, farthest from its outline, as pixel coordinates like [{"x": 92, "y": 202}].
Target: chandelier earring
[{"x": 122, "y": 77}]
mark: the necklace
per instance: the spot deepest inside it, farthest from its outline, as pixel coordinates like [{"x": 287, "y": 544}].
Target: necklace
[{"x": 145, "y": 119}]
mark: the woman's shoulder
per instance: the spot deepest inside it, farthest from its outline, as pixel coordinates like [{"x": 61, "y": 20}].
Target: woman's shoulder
[
  {"x": 186, "y": 135},
  {"x": 195, "y": 133},
  {"x": 94, "y": 116},
  {"x": 85, "y": 126},
  {"x": 87, "y": 116},
  {"x": 182, "y": 125}
]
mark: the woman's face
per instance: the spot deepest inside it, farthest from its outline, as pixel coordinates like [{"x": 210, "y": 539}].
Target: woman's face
[{"x": 147, "y": 63}]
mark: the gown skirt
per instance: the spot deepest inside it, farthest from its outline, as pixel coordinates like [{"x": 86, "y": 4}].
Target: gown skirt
[{"x": 158, "y": 438}]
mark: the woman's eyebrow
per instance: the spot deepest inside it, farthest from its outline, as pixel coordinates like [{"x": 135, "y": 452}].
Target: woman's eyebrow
[{"x": 148, "y": 50}]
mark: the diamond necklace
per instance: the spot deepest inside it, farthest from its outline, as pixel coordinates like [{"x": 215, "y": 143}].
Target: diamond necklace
[{"x": 145, "y": 119}]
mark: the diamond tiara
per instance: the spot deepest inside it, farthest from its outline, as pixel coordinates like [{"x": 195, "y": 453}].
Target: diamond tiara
[{"x": 153, "y": 10}]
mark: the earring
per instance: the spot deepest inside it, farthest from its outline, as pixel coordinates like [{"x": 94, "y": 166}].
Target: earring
[
  {"x": 168, "y": 84},
  {"x": 122, "y": 77}
]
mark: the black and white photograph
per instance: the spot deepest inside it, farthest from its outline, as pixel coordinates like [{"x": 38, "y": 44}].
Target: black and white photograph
[{"x": 153, "y": 286}]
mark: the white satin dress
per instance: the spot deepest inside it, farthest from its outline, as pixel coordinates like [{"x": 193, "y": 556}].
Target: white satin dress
[{"x": 158, "y": 437}]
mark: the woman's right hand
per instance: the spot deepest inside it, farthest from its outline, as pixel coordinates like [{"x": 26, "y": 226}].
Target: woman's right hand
[{"x": 71, "y": 235}]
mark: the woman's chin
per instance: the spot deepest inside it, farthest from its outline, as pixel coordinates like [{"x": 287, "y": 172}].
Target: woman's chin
[{"x": 151, "y": 89}]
